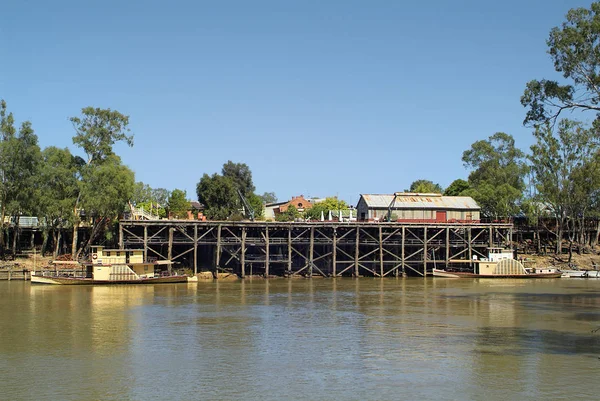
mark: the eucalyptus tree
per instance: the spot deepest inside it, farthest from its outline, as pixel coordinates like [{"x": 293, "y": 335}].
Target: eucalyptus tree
[
  {"x": 178, "y": 204},
  {"x": 58, "y": 184},
  {"x": 96, "y": 131},
  {"x": 105, "y": 190},
  {"x": 566, "y": 173},
  {"x": 457, "y": 187},
  {"x": 497, "y": 177},
  {"x": 241, "y": 176},
  {"x": 575, "y": 50},
  {"x": 8, "y": 133},
  {"x": 19, "y": 161},
  {"x": 219, "y": 195},
  {"x": 268, "y": 197},
  {"x": 425, "y": 186}
]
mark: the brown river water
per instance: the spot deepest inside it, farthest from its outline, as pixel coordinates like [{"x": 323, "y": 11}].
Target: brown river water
[{"x": 303, "y": 339}]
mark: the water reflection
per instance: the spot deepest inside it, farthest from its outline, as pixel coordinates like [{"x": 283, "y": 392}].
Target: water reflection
[{"x": 303, "y": 339}]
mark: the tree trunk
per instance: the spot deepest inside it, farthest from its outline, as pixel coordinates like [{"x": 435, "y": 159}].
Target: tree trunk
[
  {"x": 57, "y": 239},
  {"x": 570, "y": 251},
  {"x": 2, "y": 216},
  {"x": 594, "y": 240},
  {"x": 45, "y": 235},
  {"x": 16, "y": 236},
  {"x": 559, "y": 236},
  {"x": 96, "y": 229},
  {"x": 74, "y": 243}
]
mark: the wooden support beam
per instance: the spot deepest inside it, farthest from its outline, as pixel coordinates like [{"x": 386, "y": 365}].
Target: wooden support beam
[
  {"x": 145, "y": 243},
  {"x": 121, "y": 245},
  {"x": 311, "y": 251},
  {"x": 243, "y": 254},
  {"x": 380, "y": 251},
  {"x": 470, "y": 246},
  {"x": 356, "y": 251},
  {"x": 170, "y": 249},
  {"x": 447, "y": 246},
  {"x": 218, "y": 255},
  {"x": 402, "y": 251},
  {"x": 267, "y": 251},
  {"x": 334, "y": 253},
  {"x": 195, "y": 249},
  {"x": 424, "y": 251},
  {"x": 289, "y": 248}
]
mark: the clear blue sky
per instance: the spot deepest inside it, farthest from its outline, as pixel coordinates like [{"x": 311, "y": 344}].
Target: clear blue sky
[{"x": 320, "y": 98}]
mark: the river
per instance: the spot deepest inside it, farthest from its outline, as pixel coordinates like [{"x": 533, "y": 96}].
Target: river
[{"x": 302, "y": 339}]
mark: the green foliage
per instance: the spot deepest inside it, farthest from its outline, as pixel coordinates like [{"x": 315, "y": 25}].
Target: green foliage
[
  {"x": 329, "y": 204},
  {"x": 566, "y": 168},
  {"x": 105, "y": 189},
  {"x": 219, "y": 196},
  {"x": 58, "y": 185},
  {"x": 160, "y": 196},
  {"x": 97, "y": 130},
  {"x": 152, "y": 200},
  {"x": 290, "y": 214},
  {"x": 573, "y": 48},
  {"x": 219, "y": 193},
  {"x": 268, "y": 197},
  {"x": 142, "y": 193},
  {"x": 457, "y": 188},
  {"x": 256, "y": 203},
  {"x": 178, "y": 204},
  {"x": 497, "y": 178},
  {"x": 425, "y": 187},
  {"x": 240, "y": 175},
  {"x": 20, "y": 158}
]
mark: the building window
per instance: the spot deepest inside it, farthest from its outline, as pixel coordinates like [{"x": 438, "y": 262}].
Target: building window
[
  {"x": 299, "y": 204},
  {"x": 107, "y": 253},
  {"x": 118, "y": 253}
]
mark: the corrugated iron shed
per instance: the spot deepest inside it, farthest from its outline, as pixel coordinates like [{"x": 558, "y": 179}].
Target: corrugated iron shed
[{"x": 418, "y": 201}]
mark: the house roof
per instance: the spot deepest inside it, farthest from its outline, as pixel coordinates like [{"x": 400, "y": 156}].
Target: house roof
[
  {"x": 420, "y": 201},
  {"x": 196, "y": 205},
  {"x": 275, "y": 204}
]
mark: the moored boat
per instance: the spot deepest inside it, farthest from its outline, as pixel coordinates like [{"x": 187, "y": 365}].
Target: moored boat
[
  {"x": 499, "y": 264},
  {"x": 112, "y": 266},
  {"x": 581, "y": 273}
]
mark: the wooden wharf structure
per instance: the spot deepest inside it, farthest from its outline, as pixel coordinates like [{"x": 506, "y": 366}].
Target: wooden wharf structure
[{"x": 323, "y": 248}]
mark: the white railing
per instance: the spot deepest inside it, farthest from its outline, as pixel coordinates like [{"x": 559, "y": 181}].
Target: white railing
[{"x": 141, "y": 214}]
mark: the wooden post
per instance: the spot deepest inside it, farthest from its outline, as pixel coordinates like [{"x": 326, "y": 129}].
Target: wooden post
[
  {"x": 470, "y": 248},
  {"x": 289, "y": 249},
  {"x": 195, "y": 249},
  {"x": 424, "y": 251},
  {"x": 243, "y": 253},
  {"x": 380, "y": 251},
  {"x": 491, "y": 241},
  {"x": 311, "y": 252},
  {"x": 145, "y": 243},
  {"x": 218, "y": 256},
  {"x": 356, "y": 251},
  {"x": 447, "y": 246},
  {"x": 267, "y": 251},
  {"x": 334, "y": 252},
  {"x": 402, "y": 251},
  {"x": 121, "y": 244},
  {"x": 170, "y": 250}
]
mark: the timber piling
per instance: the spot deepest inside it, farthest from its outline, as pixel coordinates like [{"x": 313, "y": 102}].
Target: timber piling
[{"x": 314, "y": 248}]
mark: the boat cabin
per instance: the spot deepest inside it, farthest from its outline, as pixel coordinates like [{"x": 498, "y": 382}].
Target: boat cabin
[
  {"x": 500, "y": 261},
  {"x": 107, "y": 262},
  {"x": 497, "y": 254}
]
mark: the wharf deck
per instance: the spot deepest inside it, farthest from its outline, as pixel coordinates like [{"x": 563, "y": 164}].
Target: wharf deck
[{"x": 313, "y": 248}]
